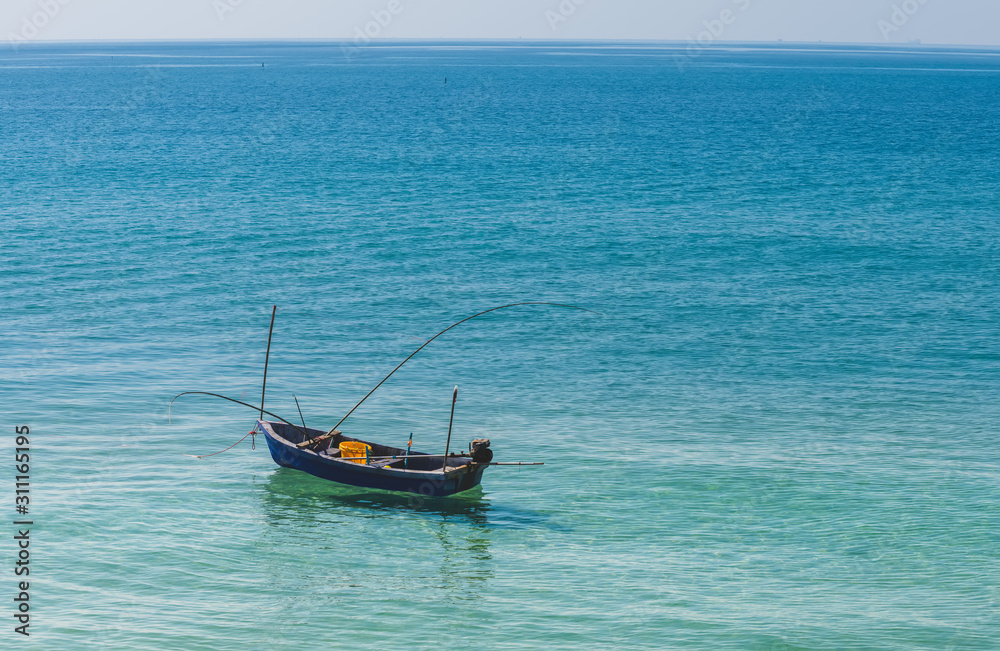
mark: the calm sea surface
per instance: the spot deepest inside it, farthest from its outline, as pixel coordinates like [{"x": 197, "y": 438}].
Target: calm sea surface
[{"x": 781, "y": 432}]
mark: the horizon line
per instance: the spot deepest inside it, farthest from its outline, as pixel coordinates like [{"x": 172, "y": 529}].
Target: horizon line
[{"x": 504, "y": 40}]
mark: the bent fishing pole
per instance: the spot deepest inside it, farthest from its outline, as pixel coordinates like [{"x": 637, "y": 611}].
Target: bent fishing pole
[{"x": 333, "y": 429}]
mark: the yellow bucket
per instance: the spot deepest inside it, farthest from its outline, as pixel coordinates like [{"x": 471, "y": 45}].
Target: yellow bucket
[{"x": 355, "y": 449}]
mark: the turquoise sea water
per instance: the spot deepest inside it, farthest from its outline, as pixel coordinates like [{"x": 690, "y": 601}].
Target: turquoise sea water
[{"x": 780, "y": 433}]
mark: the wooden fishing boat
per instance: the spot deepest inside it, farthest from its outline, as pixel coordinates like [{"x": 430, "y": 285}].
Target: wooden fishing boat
[
  {"x": 382, "y": 466},
  {"x": 331, "y": 455}
]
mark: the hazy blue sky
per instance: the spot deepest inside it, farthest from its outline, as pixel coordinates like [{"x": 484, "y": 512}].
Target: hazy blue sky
[{"x": 972, "y": 22}]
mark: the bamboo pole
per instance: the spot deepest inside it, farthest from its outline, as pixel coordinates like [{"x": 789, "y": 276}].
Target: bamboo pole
[
  {"x": 300, "y": 411},
  {"x": 438, "y": 456},
  {"x": 266, "y": 356},
  {"x": 454, "y": 399},
  {"x": 516, "y": 463}
]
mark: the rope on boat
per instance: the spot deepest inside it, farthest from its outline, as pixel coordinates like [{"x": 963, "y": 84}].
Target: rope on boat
[
  {"x": 202, "y": 456},
  {"x": 469, "y": 318},
  {"x": 253, "y": 445}
]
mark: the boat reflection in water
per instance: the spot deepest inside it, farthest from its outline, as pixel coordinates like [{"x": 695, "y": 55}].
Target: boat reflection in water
[
  {"x": 351, "y": 537},
  {"x": 304, "y": 496}
]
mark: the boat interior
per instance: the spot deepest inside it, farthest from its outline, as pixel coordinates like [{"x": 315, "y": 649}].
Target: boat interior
[{"x": 331, "y": 448}]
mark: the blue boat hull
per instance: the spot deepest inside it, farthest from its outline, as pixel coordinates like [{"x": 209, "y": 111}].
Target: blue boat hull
[{"x": 461, "y": 476}]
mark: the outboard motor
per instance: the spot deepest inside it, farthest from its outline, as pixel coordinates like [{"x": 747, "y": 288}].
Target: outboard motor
[{"x": 480, "y": 451}]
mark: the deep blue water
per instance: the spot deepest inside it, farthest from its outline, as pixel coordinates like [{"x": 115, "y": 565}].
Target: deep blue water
[{"x": 780, "y": 432}]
